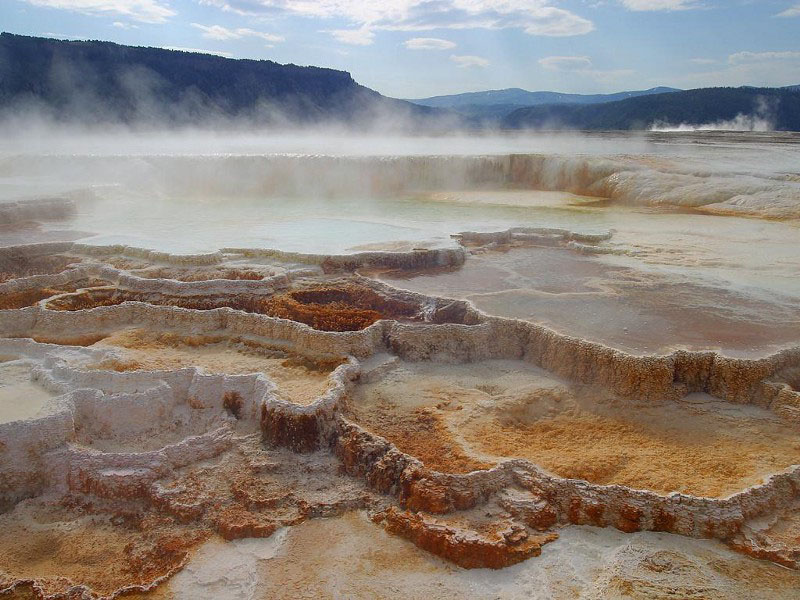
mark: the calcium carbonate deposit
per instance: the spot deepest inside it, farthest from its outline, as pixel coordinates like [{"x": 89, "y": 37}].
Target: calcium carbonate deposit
[{"x": 523, "y": 368}]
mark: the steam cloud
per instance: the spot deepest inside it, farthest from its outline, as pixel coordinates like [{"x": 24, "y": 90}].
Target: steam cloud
[{"x": 761, "y": 119}]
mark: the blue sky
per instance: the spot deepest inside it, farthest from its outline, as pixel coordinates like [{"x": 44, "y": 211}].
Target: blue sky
[{"x": 418, "y": 48}]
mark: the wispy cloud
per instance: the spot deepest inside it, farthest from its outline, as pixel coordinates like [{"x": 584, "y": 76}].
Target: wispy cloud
[
  {"x": 535, "y": 17},
  {"x": 217, "y": 32},
  {"x": 354, "y": 37},
  {"x": 199, "y": 51},
  {"x": 757, "y": 57},
  {"x": 63, "y": 36},
  {"x": 653, "y": 5},
  {"x": 147, "y": 11},
  {"x": 428, "y": 44},
  {"x": 566, "y": 63},
  {"x": 703, "y": 61},
  {"x": 466, "y": 61},
  {"x": 582, "y": 65},
  {"x": 792, "y": 11},
  {"x": 751, "y": 68}
]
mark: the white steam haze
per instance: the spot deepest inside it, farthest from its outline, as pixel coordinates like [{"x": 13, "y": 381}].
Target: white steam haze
[
  {"x": 741, "y": 122},
  {"x": 297, "y": 188},
  {"x": 762, "y": 119},
  {"x": 84, "y": 110}
]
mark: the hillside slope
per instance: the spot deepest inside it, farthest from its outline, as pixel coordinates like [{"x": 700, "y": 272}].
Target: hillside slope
[{"x": 93, "y": 81}]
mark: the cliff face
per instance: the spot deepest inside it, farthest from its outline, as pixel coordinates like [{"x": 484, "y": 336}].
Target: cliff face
[{"x": 93, "y": 81}]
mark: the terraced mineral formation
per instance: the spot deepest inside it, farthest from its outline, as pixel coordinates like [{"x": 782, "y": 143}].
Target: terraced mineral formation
[
  {"x": 471, "y": 415},
  {"x": 187, "y": 426}
]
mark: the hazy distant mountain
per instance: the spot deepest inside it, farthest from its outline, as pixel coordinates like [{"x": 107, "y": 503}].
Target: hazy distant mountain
[
  {"x": 93, "y": 81},
  {"x": 495, "y": 104},
  {"x": 520, "y": 97},
  {"x": 774, "y": 108}
]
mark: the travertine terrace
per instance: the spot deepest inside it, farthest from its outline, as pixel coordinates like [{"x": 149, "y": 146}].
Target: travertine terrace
[{"x": 177, "y": 425}]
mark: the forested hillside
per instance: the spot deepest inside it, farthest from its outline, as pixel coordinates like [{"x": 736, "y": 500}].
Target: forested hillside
[
  {"x": 105, "y": 82},
  {"x": 778, "y": 107}
]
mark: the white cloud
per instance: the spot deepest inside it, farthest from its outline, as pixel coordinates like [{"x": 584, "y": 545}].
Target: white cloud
[
  {"x": 217, "y": 32},
  {"x": 793, "y": 11},
  {"x": 354, "y": 37},
  {"x": 556, "y": 22},
  {"x": 760, "y": 57},
  {"x": 643, "y": 5},
  {"x": 608, "y": 76},
  {"x": 566, "y": 63},
  {"x": 147, "y": 11},
  {"x": 535, "y": 17},
  {"x": 466, "y": 61},
  {"x": 121, "y": 25},
  {"x": 769, "y": 69},
  {"x": 428, "y": 44},
  {"x": 582, "y": 65},
  {"x": 199, "y": 51},
  {"x": 703, "y": 61},
  {"x": 63, "y": 36}
]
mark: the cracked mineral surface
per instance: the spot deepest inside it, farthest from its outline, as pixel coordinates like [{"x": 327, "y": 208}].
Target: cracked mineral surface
[{"x": 528, "y": 375}]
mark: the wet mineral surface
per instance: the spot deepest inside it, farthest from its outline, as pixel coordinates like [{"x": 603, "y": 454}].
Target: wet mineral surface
[{"x": 603, "y": 404}]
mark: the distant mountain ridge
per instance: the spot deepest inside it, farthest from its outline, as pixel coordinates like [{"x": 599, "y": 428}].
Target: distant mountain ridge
[
  {"x": 489, "y": 107},
  {"x": 520, "y": 97},
  {"x": 94, "y": 81}
]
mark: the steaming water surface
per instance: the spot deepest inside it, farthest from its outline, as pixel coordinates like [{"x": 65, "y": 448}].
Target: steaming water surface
[
  {"x": 705, "y": 226},
  {"x": 21, "y": 398}
]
